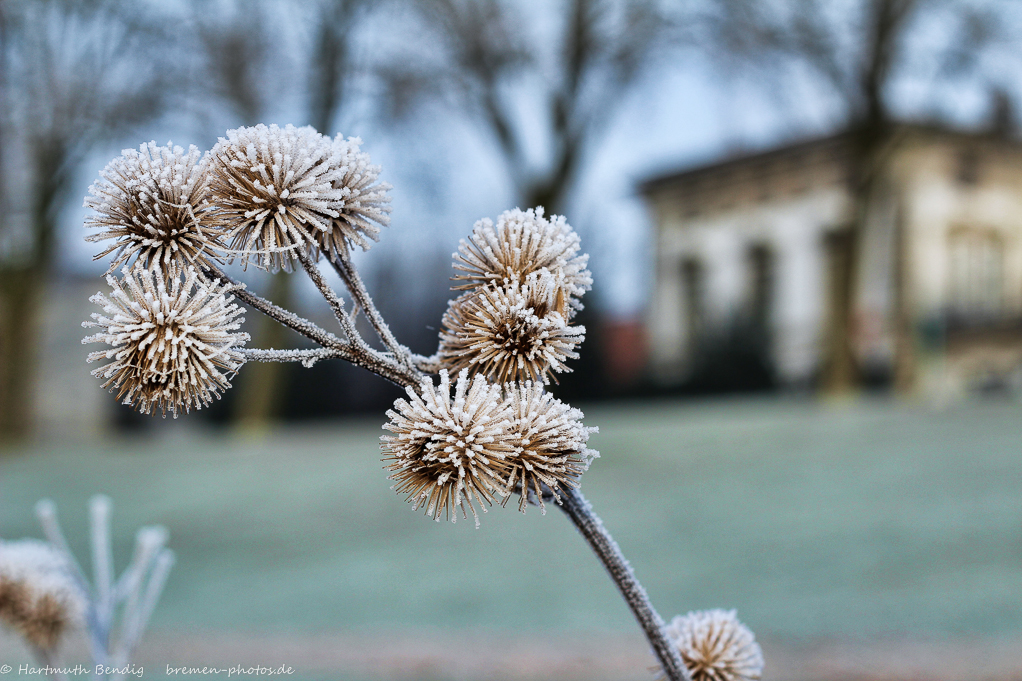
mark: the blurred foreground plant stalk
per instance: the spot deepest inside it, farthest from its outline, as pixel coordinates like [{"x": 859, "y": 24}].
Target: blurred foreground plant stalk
[{"x": 44, "y": 592}]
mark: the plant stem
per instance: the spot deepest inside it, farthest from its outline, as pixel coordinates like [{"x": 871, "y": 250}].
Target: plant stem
[
  {"x": 285, "y": 317},
  {"x": 606, "y": 549},
  {"x": 349, "y": 275}
]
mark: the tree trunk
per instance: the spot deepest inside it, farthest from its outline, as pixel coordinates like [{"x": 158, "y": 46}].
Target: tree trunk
[
  {"x": 904, "y": 335},
  {"x": 262, "y": 384},
  {"x": 839, "y": 375},
  {"x": 20, "y": 298},
  {"x": 844, "y": 251}
]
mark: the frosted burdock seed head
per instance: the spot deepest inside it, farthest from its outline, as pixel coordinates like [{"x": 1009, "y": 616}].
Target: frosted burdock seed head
[
  {"x": 715, "y": 646},
  {"x": 509, "y": 332},
  {"x": 150, "y": 202},
  {"x": 366, "y": 202},
  {"x": 447, "y": 450},
  {"x": 276, "y": 191},
  {"x": 550, "y": 443},
  {"x": 173, "y": 343},
  {"x": 39, "y": 598},
  {"x": 523, "y": 242}
]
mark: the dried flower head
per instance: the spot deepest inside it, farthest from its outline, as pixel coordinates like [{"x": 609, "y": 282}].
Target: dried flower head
[
  {"x": 39, "y": 598},
  {"x": 523, "y": 242},
  {"x": 550, "y": 441},
  {"x": 509, "y": 332},
  {"x": 173, "y": 341},
  {"x": 276, "y": 191},
  {"x": 715, "y": 646},
  {"x": 366, "y": 202},
  {"x": 150, "y": 202},
  {"x": 447, "y": 450}
]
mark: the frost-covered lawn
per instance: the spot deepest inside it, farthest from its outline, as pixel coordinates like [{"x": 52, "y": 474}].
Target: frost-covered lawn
[{"x": 815, "y": 521}]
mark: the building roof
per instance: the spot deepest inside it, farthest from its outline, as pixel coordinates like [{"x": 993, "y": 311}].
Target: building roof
[{"x": 805, "y": 146}]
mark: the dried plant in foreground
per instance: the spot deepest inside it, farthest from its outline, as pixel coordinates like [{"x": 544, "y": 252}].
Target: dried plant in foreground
[
  {"x": 275, "y": 192},
  {"x": 366, "y": 202},
  {"x": 551, "y": 444},
  {"x": 173, "y": 343},
  {"x": 290, "y": 197},
  {"x": 44, "y": 593},
  {"x": 523, "y": 242},
  {"x": 715, "y": 646},
  {"x": 149, "y": 202},
  {"x": 39, "y": 598},
  {"x": 450, "y": 449},
  {"x": 510, "y": 332}
]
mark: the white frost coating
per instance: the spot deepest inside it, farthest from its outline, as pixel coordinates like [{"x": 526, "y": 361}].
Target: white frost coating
[
  {"x": 39, "y": 595},
  {"x": 150, "y": 202},
  {"x": 523, "y": 242},
  {"x": 450, "y": 450},
  {"x": 550, "y": 443},
  {"x": 715, "y": 646},
  {"x": 366, "y": 202},
  {"x": 279, "y": 190},
  {"x": 510, "y": 332},
  {"x": 172, "y": 345},
  {"x": 308, "y": 358}
]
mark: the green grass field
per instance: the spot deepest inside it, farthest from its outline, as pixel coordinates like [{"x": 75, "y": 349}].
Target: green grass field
[{"x": 848, "y": 522}]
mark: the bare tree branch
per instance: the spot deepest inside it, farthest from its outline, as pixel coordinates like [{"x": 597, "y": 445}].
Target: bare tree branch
[{"x": 489, "y": 49}]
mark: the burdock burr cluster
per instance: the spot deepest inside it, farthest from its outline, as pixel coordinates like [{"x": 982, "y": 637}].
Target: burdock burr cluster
[{"x": 487, "y": 429}]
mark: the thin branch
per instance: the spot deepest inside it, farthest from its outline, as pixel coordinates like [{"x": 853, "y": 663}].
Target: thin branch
[
  {"x": 306, "y": 357},
  {"x": 350, "y": 276},
  {"x": 102, "y": 565},
  {"x": 428, "y": 365},
  {"x": 606, "y": 549},
  {"x": 332, "y": 299},
  {"x": 388, "y": 365},
  {"x": 288, "y": 319}
]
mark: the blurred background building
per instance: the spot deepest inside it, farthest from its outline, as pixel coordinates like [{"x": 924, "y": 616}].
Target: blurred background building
[{"x": 753, "y": 254}]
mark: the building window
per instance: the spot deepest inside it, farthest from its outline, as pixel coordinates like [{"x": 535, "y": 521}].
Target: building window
[
  {"x": 693, "y": 279},
  {"x": 760, "y": 284},
  {"x": 967, "y": 172},
  {"x": 976, "y": 274}
]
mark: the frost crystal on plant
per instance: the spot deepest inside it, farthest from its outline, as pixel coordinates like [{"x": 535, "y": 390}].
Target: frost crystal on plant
[
  {"x": 523, "y": 242},
  {"x": 150, "y": 202},
  {"x": 276, "y": 191},
  {"x": 715, "y": 646},
  {"x": 366, "y": 202},
  {"x": 39, "y": 597},
  {"x": 550, "y": 440},
  {"x": 448, "y": 451},
  {"x": 509, "y": 332},
  {"x": 173, "y": 342}
]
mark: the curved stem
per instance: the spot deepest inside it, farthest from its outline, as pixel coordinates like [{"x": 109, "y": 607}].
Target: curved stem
[{"x": 591, "y": 527}]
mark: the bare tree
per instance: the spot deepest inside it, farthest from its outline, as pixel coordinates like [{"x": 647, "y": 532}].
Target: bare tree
[
  {"x": 70, "y": 78},
  {"x": 480, "y": 55},
  {"x": 856, "y": 50}
]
